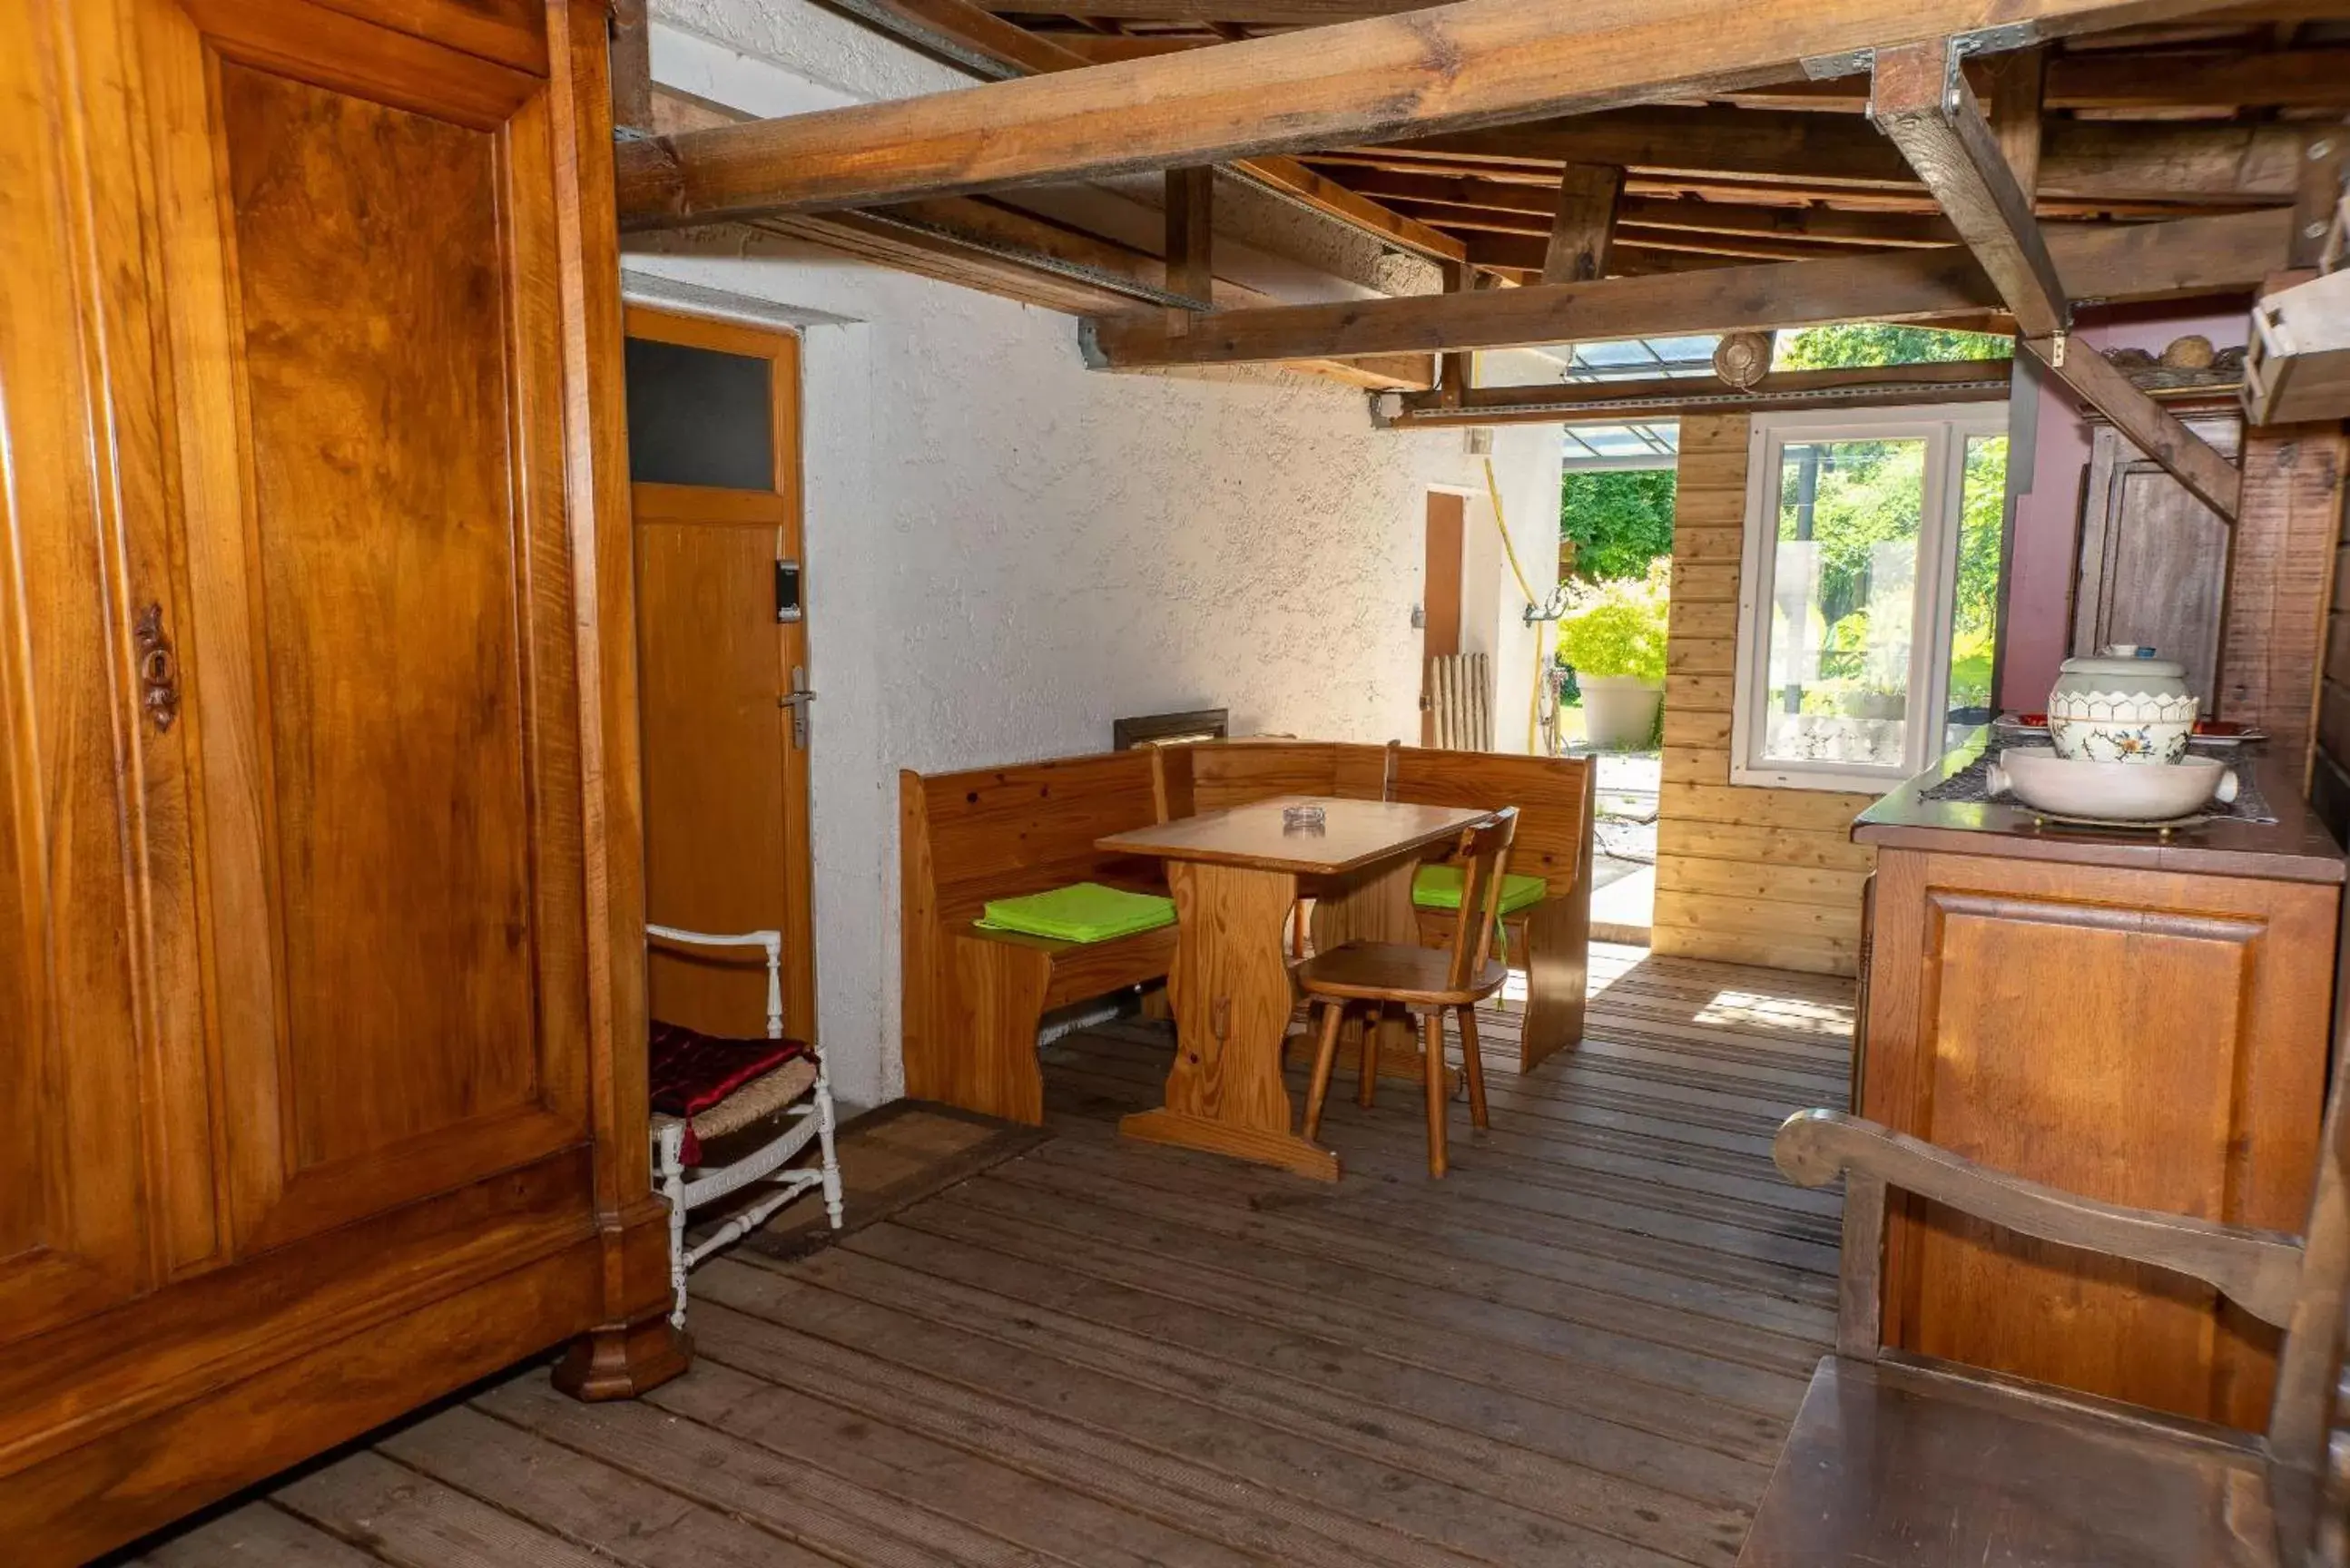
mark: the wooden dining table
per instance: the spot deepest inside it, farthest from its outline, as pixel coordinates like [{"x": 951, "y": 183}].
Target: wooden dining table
[{"x": 1236, "y": 874}]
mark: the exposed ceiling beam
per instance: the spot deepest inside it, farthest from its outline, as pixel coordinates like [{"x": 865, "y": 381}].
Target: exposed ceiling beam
[
  {"x": 1910, "y": 199},
  {"x": 1613, "y": 402},
  {"x": 1452, "y": 68},
  {"x": 958, "y": 31},
  {"x": 973, "y": 242},
  {"x": 1520, "y": 257},
  {"x": 1757, "y": 245},
  {"x": 2151, "y": 428},
  {"x": 2086, "y": 161},
  {"x": 1433, "y": 196},
  {"x": 1191, "y": 210},
  {"x": 2121, "y": 83},
  {"x": 1920, "y": 99},
  {"x": 1582, "y": 223},
  {"x": 2115, "y": 82},
  {"x": 2147, "y": 261}
]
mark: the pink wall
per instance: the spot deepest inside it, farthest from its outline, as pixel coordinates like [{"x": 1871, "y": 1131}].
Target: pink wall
[{"x": 2047, "y": 521}]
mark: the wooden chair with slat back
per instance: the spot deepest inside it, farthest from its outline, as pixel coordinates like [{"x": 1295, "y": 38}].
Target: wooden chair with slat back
[
  {"x": 1896, "y": 1456},
  {"x": 1430, "y": 982}
]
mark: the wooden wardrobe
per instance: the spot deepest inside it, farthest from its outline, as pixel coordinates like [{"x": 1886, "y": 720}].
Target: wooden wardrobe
[{"x": 321, "y": 1020}]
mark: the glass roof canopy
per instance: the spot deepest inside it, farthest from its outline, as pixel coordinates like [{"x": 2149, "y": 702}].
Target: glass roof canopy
[{"x": 1643, "y": 444}]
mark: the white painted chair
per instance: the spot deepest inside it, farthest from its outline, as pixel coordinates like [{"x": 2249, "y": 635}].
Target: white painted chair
[{"x": 799, "y": 1091}]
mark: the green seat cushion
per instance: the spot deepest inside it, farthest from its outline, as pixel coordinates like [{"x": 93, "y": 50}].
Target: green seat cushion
[
  {"x": 1081, "y": 912},
  {"x": 1439, "y": 888}
]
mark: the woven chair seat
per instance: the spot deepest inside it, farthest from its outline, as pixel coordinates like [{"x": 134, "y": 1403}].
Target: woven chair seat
[{"x": 755, "y": 1101}]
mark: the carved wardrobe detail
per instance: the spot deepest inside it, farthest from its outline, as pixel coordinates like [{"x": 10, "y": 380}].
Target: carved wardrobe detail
[{"x": 321, "y": 1017}]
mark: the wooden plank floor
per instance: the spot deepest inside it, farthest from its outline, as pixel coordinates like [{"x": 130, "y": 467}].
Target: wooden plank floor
[{"x": 1582, "y": 1347}]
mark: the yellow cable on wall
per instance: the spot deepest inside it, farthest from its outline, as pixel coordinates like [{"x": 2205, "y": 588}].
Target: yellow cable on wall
[{"x": 1510, "y": 550}]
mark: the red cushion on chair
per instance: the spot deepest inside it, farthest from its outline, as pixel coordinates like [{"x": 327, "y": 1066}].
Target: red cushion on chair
[{"x": 693, "y": 1071}]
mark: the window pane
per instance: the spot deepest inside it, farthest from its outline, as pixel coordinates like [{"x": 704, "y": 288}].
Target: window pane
[
  {"x": 1844, "y": 584},
  {"x": 1975, "y": 618},
  {"x": 700, "y": 417}
]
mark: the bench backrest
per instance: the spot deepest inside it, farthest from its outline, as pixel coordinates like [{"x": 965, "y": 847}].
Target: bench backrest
[
  {"x": 1554, "y": 797},
  {"x": 997, "y": 833},
  {"x": 1214, "y": 775}
]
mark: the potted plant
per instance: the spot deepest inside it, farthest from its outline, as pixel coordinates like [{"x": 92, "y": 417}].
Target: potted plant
[{"x": 1615, "y": 641}]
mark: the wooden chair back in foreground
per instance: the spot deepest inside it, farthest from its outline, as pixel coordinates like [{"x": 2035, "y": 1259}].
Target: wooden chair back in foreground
[
  {"x": 1896, "y": 1457},
  {"x": 972, "y": 999},
  {"x": 1428, "y": 982}
]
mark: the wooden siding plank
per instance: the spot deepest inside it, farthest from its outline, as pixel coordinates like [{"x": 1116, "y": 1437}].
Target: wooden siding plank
[{"x": 1747, "y": 874}]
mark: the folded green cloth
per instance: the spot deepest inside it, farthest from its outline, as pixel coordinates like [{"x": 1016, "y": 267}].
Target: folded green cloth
[
  {"x": 1082, "y": 912},
  {"x": 1439, "y": 888}
]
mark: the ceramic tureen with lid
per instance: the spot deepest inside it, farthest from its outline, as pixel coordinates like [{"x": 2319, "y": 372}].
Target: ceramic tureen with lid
[{"x": 2124, "y": 706}]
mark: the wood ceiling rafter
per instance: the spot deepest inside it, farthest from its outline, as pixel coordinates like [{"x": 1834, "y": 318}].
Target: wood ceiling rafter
[
  {"x": 1615, "y": 402},
  {"x": 2080, "y": 160},
  {"x": 2194, "y": 256},
  {"x": 976, "y": 243},
  {"x": 1448, "y": 69},
  {"x": 1921, "y": 101},
  {"x": 970, "y": 36}
]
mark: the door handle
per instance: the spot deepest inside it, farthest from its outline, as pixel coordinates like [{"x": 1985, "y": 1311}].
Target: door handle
[{"x": 797, "y": 700}]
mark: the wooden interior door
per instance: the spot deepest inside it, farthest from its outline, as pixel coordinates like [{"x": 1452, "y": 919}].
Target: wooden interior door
[
  {"x": 360, "y": 228},
  {"x": 2153, "y": 560},
  {"x": 1439, "y": 597},
  {"x": 713, "y": 450}
]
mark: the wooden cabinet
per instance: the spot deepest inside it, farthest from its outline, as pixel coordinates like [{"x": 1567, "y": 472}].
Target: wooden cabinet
[
  {"x": 322, "y": 975},
  {"x": 2153, "y": 560},
  {"x": 2135, "y": 1022}
]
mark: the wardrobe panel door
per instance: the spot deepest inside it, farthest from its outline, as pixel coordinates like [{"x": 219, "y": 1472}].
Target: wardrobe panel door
[
  {"x": 383, "y": 596},
  {"x": 71, "y": 1135}
]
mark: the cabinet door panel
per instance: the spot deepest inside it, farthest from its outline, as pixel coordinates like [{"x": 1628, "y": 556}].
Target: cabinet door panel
[
  {"x": 70, "y": 1126},
  {"x": 381, "y": 628},
  {"x": 2142, "y": 1038}
]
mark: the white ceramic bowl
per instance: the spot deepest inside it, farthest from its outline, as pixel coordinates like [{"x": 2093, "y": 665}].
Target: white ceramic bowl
[{"x": 2120, "y": 792}]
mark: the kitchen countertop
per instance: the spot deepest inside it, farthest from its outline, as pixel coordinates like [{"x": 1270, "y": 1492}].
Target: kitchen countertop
[{"x": 2296, "y": 848}]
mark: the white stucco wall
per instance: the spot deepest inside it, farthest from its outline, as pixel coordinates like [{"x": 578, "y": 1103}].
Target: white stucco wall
[{"x": 1006, "y": 551}]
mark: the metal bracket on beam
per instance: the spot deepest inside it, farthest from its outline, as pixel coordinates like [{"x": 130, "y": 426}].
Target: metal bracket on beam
[
  {"x": 1852, "y": 63},
  {"x": 1996, "y": 40}
]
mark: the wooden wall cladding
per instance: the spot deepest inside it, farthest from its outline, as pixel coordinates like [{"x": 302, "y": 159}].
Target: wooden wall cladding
[
  {"x": 1744, "y": 875},
  {"x": 2281, "y": 577},
  {"x": 2329, "y": 761}
]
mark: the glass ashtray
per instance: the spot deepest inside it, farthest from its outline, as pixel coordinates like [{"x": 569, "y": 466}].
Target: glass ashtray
[{"x": 1302, "y": 818}]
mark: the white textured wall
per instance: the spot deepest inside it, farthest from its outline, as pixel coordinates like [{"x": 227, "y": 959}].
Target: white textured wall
[{"x": 1006, "y": 551}]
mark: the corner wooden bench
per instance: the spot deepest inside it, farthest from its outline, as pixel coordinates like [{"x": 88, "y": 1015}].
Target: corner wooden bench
[
  {"x": 973, "y": 999},
  {"x": 1555, "y": 797}
]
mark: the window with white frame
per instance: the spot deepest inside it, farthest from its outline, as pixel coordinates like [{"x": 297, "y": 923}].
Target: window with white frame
[{"x": 1869, "y": 591}]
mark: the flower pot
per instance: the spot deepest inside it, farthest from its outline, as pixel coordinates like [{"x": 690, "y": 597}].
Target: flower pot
[{"x": 1619, "y": 712}]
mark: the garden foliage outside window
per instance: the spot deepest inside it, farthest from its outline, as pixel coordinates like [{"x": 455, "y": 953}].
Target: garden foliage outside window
[{"x": 1868, "y": 593}]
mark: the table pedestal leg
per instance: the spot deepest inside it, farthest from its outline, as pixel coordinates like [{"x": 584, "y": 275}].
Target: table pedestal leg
[
  {"x": 1232, "y": 999},
  {"x": 1376, "y": 906}
]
